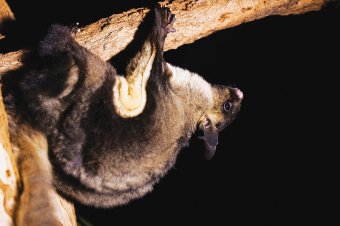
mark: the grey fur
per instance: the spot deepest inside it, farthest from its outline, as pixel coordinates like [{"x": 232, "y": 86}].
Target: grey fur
[{"x": 100, "y": 158}]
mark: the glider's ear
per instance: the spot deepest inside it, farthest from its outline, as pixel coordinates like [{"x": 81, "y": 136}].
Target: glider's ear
[{"x": 210, "y": 138}]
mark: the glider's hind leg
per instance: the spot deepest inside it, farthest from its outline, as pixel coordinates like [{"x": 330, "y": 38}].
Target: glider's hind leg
[{"x": 130, "y": 91}]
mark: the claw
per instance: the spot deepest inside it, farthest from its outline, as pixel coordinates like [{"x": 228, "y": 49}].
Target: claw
[
  {"x": 75, "y": 29},
  {"x": 171, "y": 30},
  {"x": 168, "y": 20},
  {"x": 172, "y": 20}
]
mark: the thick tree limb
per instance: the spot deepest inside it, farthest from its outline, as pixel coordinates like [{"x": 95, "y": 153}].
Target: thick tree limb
[
  {"x": 5, "y": 12},
  {"x": 108, "y": 36},
  {"x": 63, "y": 213},
  {"x": 195, "y": 19},
  {"x": 5, "y": 15},
  {"x": 8, "y": 172}
]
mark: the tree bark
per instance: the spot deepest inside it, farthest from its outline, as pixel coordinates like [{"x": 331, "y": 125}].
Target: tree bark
[
  {"x": 62, "y": 211},
  {"x": 195, "y": 19},
  {"x": 5, "y": 15},
  {"x": 5, "y": 12},
  {"x": 8, "y": 172}
]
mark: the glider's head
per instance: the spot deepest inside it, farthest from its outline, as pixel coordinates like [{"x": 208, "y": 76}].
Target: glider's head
[{"x": 226, "y": 105}]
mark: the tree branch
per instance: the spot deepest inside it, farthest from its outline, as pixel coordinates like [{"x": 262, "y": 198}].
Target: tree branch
[
  {"x": 195, "y": 19},
  {"x": 8, "y": 172},
  {"x": 6, "y": 14}
]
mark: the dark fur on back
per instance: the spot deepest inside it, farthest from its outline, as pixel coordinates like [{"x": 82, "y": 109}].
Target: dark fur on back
[
  {"x": 89, "y": 143},
  {"x": 99, "y": 157}
]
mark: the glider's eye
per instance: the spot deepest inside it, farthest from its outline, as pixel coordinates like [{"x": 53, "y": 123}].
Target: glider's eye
[{"x": 227, "y": 106}]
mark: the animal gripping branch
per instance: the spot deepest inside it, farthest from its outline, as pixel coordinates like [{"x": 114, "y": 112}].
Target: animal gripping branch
[
  {"x": 195, "y": 19},
  {"x": 108, "y": 36}
]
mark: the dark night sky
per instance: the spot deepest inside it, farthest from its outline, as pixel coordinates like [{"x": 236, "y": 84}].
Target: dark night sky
[{"x": 264, "y": 164}]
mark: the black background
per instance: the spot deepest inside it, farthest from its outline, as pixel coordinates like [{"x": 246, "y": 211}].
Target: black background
[{"x": 265, "y": 169}]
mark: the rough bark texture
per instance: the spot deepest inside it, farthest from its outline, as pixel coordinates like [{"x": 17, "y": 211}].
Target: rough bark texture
[
  {"x": 5, "y": 14},
  {"x": 8, "y": 172},
  {"x": 108, "y": 36},
  {"x": 5, "y": 11},
  {"x": 9, "y": 179},
  {"x": 195, "y": 19}
]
